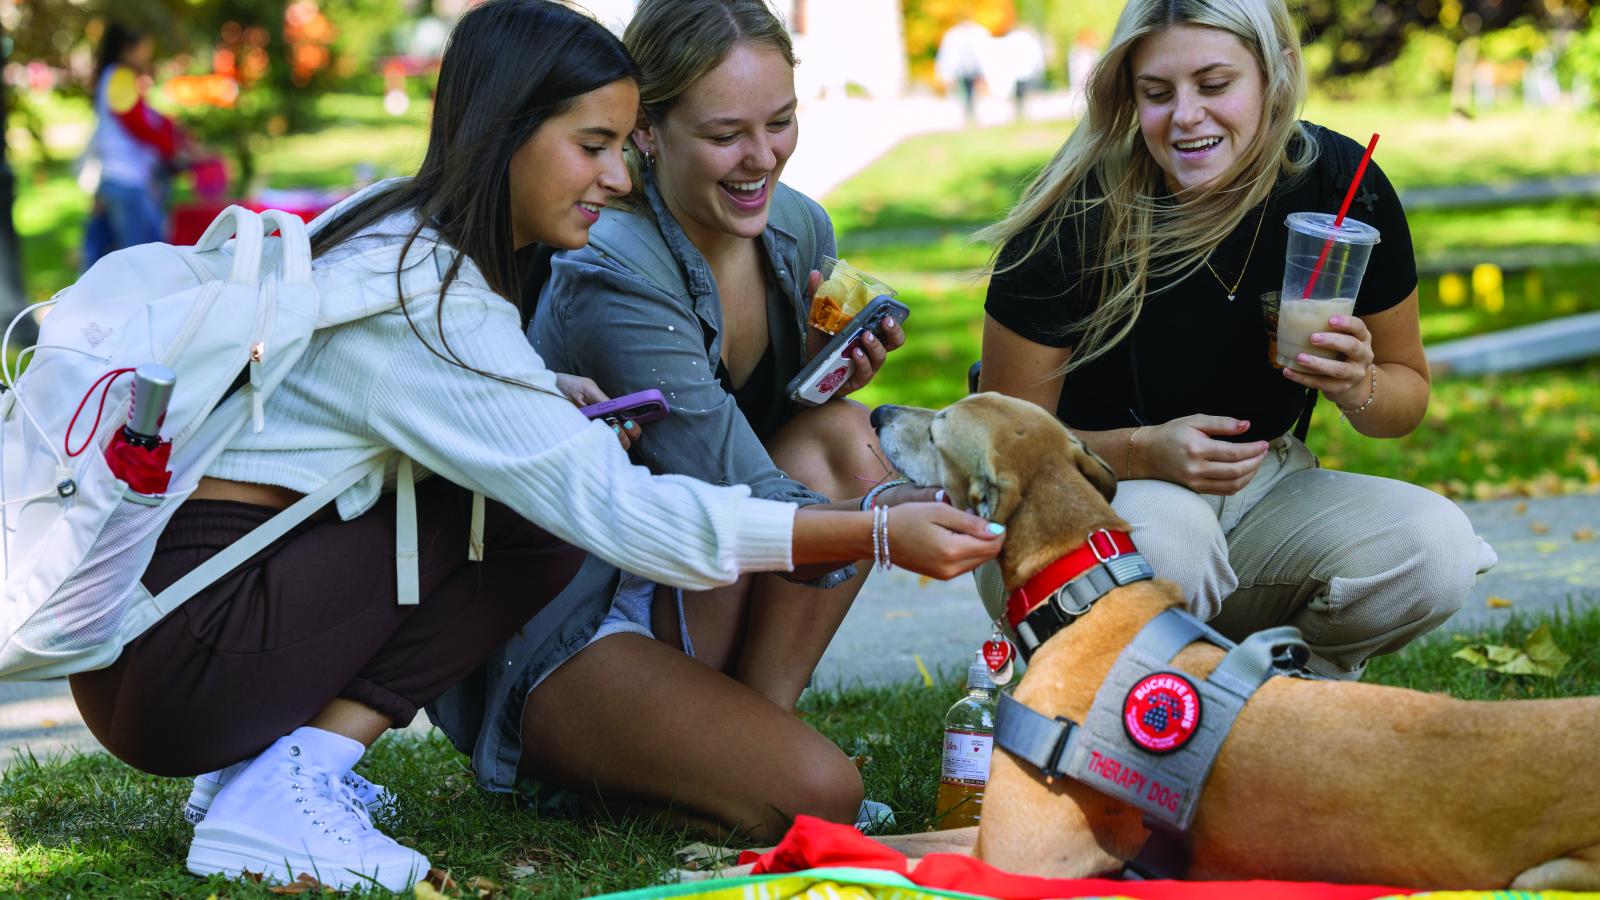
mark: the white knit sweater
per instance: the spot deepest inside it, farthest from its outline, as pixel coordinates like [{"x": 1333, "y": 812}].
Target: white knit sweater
[{"x": 371, "y": 389}]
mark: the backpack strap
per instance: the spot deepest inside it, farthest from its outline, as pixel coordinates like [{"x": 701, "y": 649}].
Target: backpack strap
[{"x": 213, "y": 569}]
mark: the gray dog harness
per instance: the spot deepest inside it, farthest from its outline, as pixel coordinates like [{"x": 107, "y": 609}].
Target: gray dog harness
[{"x": 1153, "y": 733}]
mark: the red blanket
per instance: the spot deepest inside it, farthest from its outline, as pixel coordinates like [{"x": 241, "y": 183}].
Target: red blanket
[{"x": 813, "y": 844}]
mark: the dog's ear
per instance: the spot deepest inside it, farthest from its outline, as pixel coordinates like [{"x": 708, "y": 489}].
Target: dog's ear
[
  {"x": 991, "y": 494},
  {"x": 1095, "y": 470}
]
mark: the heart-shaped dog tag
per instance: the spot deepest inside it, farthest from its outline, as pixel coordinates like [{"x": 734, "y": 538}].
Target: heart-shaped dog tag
[{"x": 998, "y": 655}]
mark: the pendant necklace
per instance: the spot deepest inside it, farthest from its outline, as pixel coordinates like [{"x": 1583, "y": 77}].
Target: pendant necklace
[{"x": 1234, "y": 291}]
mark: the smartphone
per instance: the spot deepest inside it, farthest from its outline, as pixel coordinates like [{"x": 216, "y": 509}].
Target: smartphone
[
  {"x": 830, "y": 368},
  {"x": 640, "y": 407}
]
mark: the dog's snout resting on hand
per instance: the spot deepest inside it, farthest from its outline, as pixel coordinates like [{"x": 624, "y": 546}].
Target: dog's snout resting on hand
[{"x": 1318, "y": 780}]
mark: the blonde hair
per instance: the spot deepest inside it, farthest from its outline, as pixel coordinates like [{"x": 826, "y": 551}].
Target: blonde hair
[
  {"x": 675, "y": 42},
  {"x": 1139, "y": 236}
]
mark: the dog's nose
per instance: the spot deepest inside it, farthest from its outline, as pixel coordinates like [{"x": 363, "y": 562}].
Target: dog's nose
[{"x": 880, "y": 416}]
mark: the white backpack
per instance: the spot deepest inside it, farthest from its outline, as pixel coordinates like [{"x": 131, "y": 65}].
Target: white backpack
[{"x": 74, "y": 540}]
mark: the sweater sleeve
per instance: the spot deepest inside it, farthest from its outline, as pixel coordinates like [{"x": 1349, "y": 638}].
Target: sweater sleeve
[{"x": 532, "y": 450}]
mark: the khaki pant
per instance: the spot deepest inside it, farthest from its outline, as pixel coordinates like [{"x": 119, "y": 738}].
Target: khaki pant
[{"x": 1361, "y": 565}]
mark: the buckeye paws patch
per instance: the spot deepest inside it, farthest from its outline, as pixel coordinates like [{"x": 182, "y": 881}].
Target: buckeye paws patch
[{"x": 1161, "y": 712}]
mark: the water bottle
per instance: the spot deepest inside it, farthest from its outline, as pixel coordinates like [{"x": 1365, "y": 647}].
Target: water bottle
[{"x": 968, "y": 745}]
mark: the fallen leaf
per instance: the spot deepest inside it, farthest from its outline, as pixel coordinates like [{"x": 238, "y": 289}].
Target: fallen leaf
[
  {"x": 1584, "y": 534},
  {"x": 253, "y": 877},
  {"x": 480, "y": 883},
  {"x": 304, "y": 883},
  {"x": 1498, "y": 603},
  {"x": 700, "y": 856},
  {"x": 1538, "y": 528},
  {"x": 425, "y": 891},
  {"x": 1521, "y": 508},
  {"x": 1547, "y": 546},
  {"x": 861, "y": 760},
  {"x": 1539, "y": 656},
  {"x": 439, "y": 879},
  {"x": 524, "y": 868}
]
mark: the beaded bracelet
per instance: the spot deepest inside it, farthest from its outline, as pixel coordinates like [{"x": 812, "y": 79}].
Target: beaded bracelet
[
  {"x": 880, "y": 539},
  {"x": 1372, "y": 394},
  {"x": 868, "y": 501}
]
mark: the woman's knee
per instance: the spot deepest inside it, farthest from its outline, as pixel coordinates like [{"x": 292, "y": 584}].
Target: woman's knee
[
  {"x": 827, "y": 447},
  {"x": 823, "y": 783},
  {"x": 1435, "y": 557},
  {"x": 1178, "y": 533}
]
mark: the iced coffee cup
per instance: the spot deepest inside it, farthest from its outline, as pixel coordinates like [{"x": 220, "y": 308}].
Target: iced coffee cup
[
  {"x": 844, "y": 291},
  {"x": 1334, "y": 286}
]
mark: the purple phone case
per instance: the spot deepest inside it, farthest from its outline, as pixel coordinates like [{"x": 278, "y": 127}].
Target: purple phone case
[{"x": 641, "y": 406}]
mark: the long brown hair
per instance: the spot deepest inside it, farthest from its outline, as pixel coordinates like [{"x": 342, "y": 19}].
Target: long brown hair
[
  {"x": 1105, "y": 174},
  {"x": 509, "y": 66}
]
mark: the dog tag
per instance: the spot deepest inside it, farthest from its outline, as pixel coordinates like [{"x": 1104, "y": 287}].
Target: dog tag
[{"x": 998, "y": 654}]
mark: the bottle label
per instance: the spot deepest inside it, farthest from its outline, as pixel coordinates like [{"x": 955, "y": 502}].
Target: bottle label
[{"x": 966, "y": 757}]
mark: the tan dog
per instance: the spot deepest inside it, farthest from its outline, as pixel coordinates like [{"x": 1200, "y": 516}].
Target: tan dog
[{"x": 1319, "y": 780}]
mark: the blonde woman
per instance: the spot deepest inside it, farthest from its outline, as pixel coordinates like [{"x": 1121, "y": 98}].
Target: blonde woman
[
  {"x": 1126, "y": 297},
  {"x": 697, "y": 286}
]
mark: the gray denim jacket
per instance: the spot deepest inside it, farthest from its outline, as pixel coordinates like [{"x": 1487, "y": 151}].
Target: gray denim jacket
[
  {"x": 599, "y": 318},
  {"x": 602, "y": 315}
]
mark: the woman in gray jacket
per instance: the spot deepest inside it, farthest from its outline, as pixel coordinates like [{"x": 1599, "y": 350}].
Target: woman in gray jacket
[{"x": 699, "y": 287}]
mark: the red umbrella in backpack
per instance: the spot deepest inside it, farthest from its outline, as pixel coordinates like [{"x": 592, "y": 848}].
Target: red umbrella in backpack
[{"x": 137, "y": 453}]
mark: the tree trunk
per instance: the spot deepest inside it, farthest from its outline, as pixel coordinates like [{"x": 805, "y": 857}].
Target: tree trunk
[
  {"x": 1461, "y": 92},
  {"x": 12, "y": 297}
]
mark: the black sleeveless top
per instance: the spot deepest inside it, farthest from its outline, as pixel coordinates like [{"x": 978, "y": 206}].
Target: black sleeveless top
[{"x": 1191, "y": 349}]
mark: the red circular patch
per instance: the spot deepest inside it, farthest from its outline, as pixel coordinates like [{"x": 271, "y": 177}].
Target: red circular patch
[
  {"x": 834, "y": 379},
  {"x": 1161, "y": 712}
]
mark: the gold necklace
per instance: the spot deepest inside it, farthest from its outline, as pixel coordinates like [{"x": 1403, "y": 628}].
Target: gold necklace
[{"x": 1234, "y": 291}]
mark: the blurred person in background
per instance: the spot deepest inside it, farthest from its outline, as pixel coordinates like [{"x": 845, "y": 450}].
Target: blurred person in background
[
  {"x": 959, "y": 62},
  {"x": 1125, "y": 298},
  {"x": 133, "y": 147}
]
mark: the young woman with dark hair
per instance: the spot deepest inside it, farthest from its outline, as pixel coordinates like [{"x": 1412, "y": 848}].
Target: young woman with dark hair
[
  {"x": 689, "y": 696},
  {"x": 285, "y": 670}
]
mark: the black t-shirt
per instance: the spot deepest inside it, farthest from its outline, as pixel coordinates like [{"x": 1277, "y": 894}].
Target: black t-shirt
[{"x": 1192, "y": 350}]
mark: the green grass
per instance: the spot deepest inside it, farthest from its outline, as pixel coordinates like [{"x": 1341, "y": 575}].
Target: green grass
[{"x": 89, "y": 826}]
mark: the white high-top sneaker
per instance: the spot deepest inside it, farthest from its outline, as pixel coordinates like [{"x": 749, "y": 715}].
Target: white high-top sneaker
[
  {"x": 287, "y": 812},
  {"x": 375, "y": 797}
]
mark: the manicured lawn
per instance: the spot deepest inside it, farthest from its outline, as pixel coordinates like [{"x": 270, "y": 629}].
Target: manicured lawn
[{"x": 89, "y": 826}]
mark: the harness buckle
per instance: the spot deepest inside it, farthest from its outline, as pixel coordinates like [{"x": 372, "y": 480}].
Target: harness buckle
[
  {"x": 1056, "y": 771},
  {"x": 1094, "y": 546}
]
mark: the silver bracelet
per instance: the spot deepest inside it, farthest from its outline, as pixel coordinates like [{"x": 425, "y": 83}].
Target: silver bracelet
[
  {"x": 870, "y": 499},
  {"x": 880, "y": 539},
  {"x": 1372, "y": 394}
]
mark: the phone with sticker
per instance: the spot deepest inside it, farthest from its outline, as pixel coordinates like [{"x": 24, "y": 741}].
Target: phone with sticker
[
  {"x": 831, "y": 367},
  {"x": 639, "y": 407}
]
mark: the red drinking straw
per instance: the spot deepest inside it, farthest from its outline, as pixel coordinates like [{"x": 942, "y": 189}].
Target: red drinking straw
[{"x": 1344, "y": 207}]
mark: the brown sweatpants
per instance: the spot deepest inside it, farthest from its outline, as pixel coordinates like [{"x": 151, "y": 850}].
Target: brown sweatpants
[{"x": 309, "y": 619}]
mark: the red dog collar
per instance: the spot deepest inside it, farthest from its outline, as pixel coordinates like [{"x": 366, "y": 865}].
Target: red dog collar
[{"x": 1029, "y": 608}]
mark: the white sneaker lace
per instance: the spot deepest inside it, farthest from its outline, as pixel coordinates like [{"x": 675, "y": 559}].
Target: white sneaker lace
[{"x": 330, "y": 806}]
